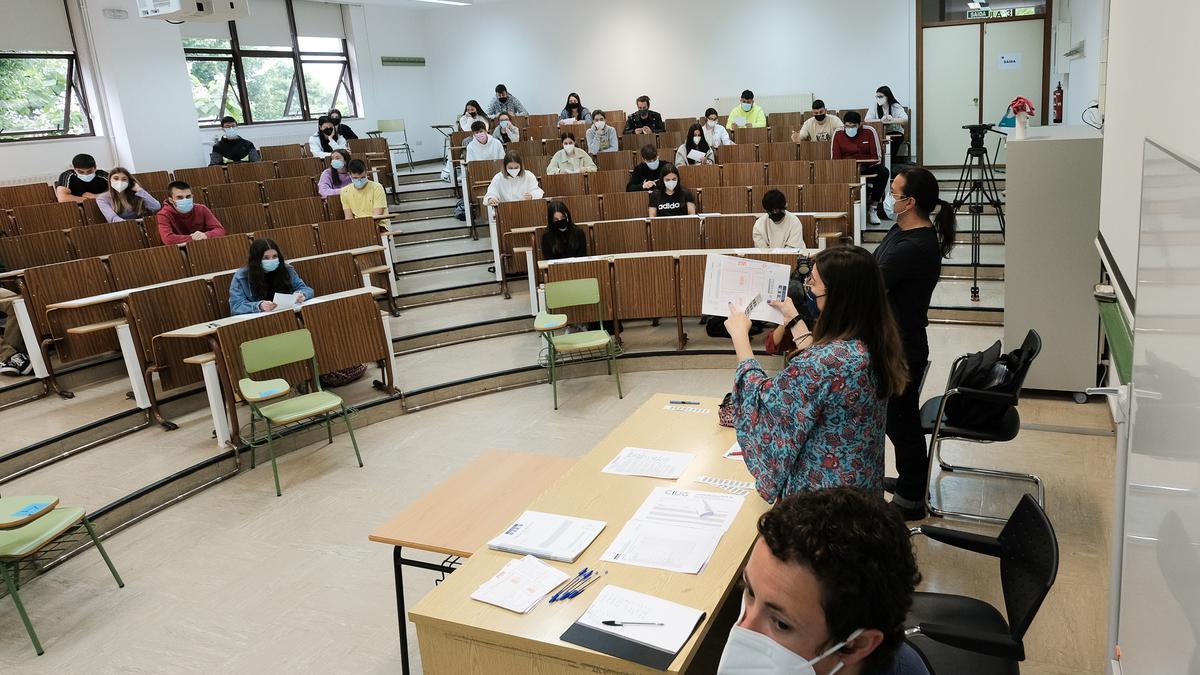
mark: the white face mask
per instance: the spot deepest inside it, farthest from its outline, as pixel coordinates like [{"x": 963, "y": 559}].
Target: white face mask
[
  {"x": 569, "y": 148},
  {"x": 696, "y": 140},
  {"x": 711, "y": 124},
  {"x": 600, "y": 124},
  {"x": 670, "y": 184},
  {"x": 750, "y": 653},
  {"x": 513, "y": 172},
  {"x": 119, "y": 185},
  {"x": 881, "y": 99},
  {"x": 652, "y": 165}
]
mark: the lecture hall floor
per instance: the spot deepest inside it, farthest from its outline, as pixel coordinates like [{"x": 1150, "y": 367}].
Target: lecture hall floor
[{"x": 236, "y": 580}]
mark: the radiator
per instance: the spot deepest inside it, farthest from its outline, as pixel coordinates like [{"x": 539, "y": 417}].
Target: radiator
[
  {"x": 298, "y": 138},
  {"x": 25, "y": 180},
  {"x": 781, "y": 103}
]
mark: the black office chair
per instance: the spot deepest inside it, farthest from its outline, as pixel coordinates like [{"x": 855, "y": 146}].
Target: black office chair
[
  {"x": 959, "y": 634},
  {"x": 1004, "y": 428}
]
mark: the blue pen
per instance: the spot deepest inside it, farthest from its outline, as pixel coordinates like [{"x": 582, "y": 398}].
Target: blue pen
[
  {"x": 583, "y": 574},
  {"x": 583, "y": 588}
]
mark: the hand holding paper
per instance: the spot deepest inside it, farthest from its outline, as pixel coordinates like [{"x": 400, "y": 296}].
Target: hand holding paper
[
  {"x": 284, "y": 300},
  {"x": 737, "y": 281}
]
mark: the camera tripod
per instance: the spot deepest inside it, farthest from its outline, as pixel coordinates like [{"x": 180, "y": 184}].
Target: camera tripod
[{"x": 976, "y": 188}]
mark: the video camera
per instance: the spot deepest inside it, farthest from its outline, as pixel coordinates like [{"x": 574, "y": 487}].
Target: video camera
[{"x": 978, "y": 131}]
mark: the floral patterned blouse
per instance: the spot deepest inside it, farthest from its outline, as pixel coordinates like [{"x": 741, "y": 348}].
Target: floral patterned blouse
[{"x": 818, "y": 423}]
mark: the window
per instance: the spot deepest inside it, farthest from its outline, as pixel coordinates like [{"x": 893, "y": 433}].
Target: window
[
  {"x": 288, "y": 61},
  {"x": 43, "y": 94}
]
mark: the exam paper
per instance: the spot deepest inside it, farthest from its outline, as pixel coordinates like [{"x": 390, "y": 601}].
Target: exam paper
[
  {"x": 520, "y": 584},
  {"x": 652, "y": 463},
  {"x": 696, "y": 155},
  {"x": 548, "y": 535},
  {"x": 728, "y": 279},
  {"x": 614, "y": 603},
  {"x": 675, "y": 548},
  {"x": 690, "y": 508},
  {"x": 284, "y": 300}
]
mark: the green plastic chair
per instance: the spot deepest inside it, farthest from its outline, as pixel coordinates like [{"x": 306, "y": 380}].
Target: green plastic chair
[
  {"x": 591, "y": 345},
  {"x": 21, "y": 538},
  {"x": 279, "y": 350}
]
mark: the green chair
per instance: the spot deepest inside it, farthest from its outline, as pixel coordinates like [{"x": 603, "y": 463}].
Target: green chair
[
  {"x": 394, "y": 126},
  {"x": 279, "y": 350},
  {"x": 27, "y": 526},
  {"x": 592, "y": 345}
]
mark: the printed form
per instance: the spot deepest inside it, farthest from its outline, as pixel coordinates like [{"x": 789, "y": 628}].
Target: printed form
[{"x": 729, "y": 279}]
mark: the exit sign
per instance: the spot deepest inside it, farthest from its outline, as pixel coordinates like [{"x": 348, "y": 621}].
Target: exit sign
[{"x": 977, "y": 14}]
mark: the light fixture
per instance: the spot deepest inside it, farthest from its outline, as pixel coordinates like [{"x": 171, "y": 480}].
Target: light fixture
[{"x": 456, "y": 3}]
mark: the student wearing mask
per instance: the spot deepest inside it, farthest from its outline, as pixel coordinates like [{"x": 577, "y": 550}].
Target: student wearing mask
[
  {"x": 889, "y": 111},
  {"x": 694, "y": 142},
  {"x": 570, "y": 159},
  {"x": 562, "y": 238},
  {"x": 482, "y": 145},
  {"x": 855, "y": 141},
  {"x": 573, "y": 111},
  {"x": 910, "y": 257},
  {"x": 505, "y": 131},
  {"x": 826, "y": 589},
  {"x": 337, "y": 176},
  {"x": 671, "y": 199},
  {"x": 82, "y": 181},
  {"x": 511, "y": 185},
  {"x": 125, "y": 199},
  {"x": 777, "y": 228},
  {"x": 471, "y": 114},
  {"x": 230, "y": 147},
  {"x": 505, "y": 102},
  {"x": 646, "y": 174},
  {"x": 715, "y": 134},
  {"x": 363, "y": 197},
  {"x": 343, "y": 130},
  {"x": 747, "y": 113},
  {"x": 819, "y": 422},
  {"x": 327, "y": 139},
  {"x": 819, "y": 127},
  {"x": 600, "y": 136},
  {"x": 645, "y": 120},
  {"x": 181, "y": 219},
  {"x": 266, "y": 274}
]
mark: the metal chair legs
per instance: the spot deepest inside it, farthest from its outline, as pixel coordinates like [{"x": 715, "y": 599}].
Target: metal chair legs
[{"x": 936, "y": 456}]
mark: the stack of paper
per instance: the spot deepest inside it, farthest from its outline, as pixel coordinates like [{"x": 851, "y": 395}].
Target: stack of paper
[
  {"x": 548, "y": 535},
  {"x": 520, "y": 584},
  {"x": 675, "y": 530},
  {"x": 652, "y": 463},
  {"x": 619, "y": 605}
]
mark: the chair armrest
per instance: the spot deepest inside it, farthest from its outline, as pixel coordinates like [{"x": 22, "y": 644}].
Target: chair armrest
[
  {"x": 255, "y": 391},
  {"x": 545, "y": 322},
  {"x": 968, "y": 541},
  {"x": 95, "y": 327},
  {"x": 993, "y": 644}
]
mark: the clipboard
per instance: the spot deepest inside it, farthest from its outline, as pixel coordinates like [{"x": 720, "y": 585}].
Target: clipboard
[{"x": 622, "y": 648}]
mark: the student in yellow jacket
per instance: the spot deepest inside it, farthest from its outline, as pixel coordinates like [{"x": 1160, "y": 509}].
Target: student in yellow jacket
[{"x": 747, "y": 113}]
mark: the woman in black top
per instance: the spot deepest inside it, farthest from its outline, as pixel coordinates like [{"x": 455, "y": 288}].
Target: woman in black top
[
  {"x": 562, "y": 238},
  {"x": 671, "y": 198},
  {"x": 910, "y": 257}
]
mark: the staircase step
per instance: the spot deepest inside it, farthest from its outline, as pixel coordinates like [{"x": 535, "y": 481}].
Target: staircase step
[
  {"x": 405, "y": 178},
  {"x": 443, "y": 262},
  {"x": 425, "y": 193},
  {"x": 443, "y": 285},
  {"x": 459, "y": 334}
]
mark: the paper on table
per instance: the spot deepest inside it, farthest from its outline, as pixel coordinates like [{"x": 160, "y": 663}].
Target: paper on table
[
  {"x": 284, "y": 300},
  {"x": 672, "y": 506},
  {"x": 696, "y": 155},
  {"x": 675, "y": 548},
  {"x": 728, "y": 279},
  {"x": 548, "y": 535},
  {"x": 652, "y": 463},
  {"x": 614, "y": 603},
  {"x": 737, "y": 487},
  {"x": 520, "y": 584}
]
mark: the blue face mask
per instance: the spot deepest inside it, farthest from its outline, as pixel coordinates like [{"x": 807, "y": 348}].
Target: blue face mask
[
  {"x": 184, "y": 205},
  {"x": 232, "y": 134},
  {"x": 811, "y": 300},
  {"x": 747, "y": 106},
  {"x": 270, "y": 264},
  {"x": 359, "y": 183},
  {"x": 851, "y": 132},
  {"x": 337, "y": 164},
  {"x": 503, "y": 124}
]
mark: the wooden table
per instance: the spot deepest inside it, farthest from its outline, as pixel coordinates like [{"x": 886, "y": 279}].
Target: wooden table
[
  {"x": 460, "y": 635},
  {"x": 463, "y": 512}
]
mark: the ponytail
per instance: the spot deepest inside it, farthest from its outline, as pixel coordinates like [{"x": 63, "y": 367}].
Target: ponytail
[
  {"x": 946, "y": 227},
  {"x": 922, "y": 186}
]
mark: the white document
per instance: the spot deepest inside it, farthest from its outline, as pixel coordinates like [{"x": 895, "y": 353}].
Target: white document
[
  {"x": 735, "y": 452},
  {"x": 740, "y": 121},
  {"x": 520, "y": 584},
  {"x": 675, "y": 548},
  {"x": 696, "y": 155},
  {"x": 690, "y": 508},
  {"x": 652, "y": 463},
  {"x": 728, "y": 279},
  {"x": 284, "y": 300},
  {"x": 548, "y": 535},
  {"x": 617, "y": 604}
]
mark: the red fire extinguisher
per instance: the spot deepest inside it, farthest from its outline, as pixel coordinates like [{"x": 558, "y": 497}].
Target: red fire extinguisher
[{"x": 1058, "y": 104}]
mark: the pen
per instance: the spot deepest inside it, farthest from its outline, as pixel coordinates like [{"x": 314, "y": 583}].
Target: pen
[
  {"x": 632, "y": 623},
  {"x": 582, "y": 588},
  {"x": 583, "y": 575},
  {"x": 685, "y": 402}
]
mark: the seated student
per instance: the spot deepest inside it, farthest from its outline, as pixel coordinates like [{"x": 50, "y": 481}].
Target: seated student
[
  {"x": 889, "y": 111},
  {"x": 254, "y": 286},
  {"x": 645, "y": 120},
  {"x": 230, "y": 147},
  {"x": 337, "y": 176},
  {"x": 511, "y": 185},
  {"x": 694, "y": 142},
  {"x": 505, "y": 131},
  {"x": 343, "y": 130},
  {"x": 715, "y": 134},
  {"x": 181, "y": 220},
  {"x": 820, "y": 421},
  {"x": 14, "y": 362},
  {"x": 573, "y": 112},
  {"x": 562, "y": 238},
  {"x": 125, "y": 199},
  {"x": 777, "y": 228},
  {"x": 672, "y": 199},
  {"x": 570, "y": 159},
  {"x": 82, "y": 181},
  {"x": 363, "y": 198},
  {"x": 827, "y": 588},
  {"x": 505, "y": 102},
  {"x": 600, "y": 136},
  {"x": 471, "y": 114},
  {"x": 819, "y": 127},
  {"x": 327, "y": 139},
  {"x": 646, "y": 174},
  {"x": 747, "y": 113},
  {"x": 855, "y": 141},
  {"x": 482, "y": 145}
]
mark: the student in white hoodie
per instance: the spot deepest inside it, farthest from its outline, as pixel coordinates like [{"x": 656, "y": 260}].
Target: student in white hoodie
[
  {"x": 511, "y": 185},
  {"x": 777, "y": 228}
]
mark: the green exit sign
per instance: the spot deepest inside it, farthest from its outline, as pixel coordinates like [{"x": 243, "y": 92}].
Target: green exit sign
[{"x": 977, "y": 13}]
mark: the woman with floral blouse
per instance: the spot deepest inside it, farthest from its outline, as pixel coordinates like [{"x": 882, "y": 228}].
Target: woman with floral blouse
[{"x": 820, "y": 421}]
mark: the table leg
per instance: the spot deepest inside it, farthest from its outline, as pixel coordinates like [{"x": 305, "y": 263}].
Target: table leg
[
  {"x": 40, "y": 371},
  {"x": 531, "y": 270},
  {"x": 401, "y": 612},
  {"x": 132, "y": 366},
  {"x": 216, "y": 402}
]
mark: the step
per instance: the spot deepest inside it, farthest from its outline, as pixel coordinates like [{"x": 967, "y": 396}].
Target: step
[
  {"x": 464, "y": 332},
  {"x": 450, "y": 315},
  {"x": 454, "y": 252},
  {"x": 403, "y": 177},
  {"x": 956, "y": 294},
  {"x": 444, "y": 285},
  {"x": 35, "y": 421},
  {"x": 420, "y": 193},
  {"x": 444, "y": 262}
]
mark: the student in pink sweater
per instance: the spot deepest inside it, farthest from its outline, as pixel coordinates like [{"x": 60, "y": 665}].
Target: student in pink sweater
[{"x": 182, "y": 220}]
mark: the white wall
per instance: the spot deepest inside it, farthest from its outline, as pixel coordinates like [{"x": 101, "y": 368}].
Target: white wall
[{"x": 1081, "y": 76}]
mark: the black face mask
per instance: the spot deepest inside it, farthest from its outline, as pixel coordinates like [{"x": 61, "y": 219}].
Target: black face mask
[
  {"x": 819, "y": 118},
  {"x": 562, "y": 225},
  {"x": 776, "y": 216},
  {"x": 327, "y": 132},
  {"x": 502, "y": 99},
  {"x": 336, "y": 120}
]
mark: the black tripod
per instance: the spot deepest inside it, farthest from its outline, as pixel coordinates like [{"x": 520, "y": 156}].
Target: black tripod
[{"x": 977, "y": 187}]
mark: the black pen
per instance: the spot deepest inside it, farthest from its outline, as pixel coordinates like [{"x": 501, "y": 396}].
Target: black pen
[
  {"x": 685, "y": 402},
  {"x": 611, "y": 622}
]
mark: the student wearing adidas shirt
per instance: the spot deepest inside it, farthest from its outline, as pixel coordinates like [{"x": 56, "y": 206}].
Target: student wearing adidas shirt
[
  {"x": 570, "y": 159},
  {"x": 671, "y": 199},
  {"x": 600, "y": 136},
  {"x": 855, "y": 141},
  {"x": 819, "y": 127}
]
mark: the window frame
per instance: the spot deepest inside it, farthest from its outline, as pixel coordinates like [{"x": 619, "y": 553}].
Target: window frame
[{"x": 298, "y": 90}]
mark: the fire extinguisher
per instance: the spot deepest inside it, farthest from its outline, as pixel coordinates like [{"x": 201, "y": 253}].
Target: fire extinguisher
[{"x": 1058, "y": 104}]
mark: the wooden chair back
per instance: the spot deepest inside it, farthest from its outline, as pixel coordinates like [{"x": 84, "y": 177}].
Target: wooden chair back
[
  {"x": 615, "y": 205},
  {"x": 147, "y": 266},
  {"x": 154, "y": 311},
  {"x": 789, "y": 173},
  {"x": 12, "y": 196},
  {"x": 733, "y": 231},
  {"x": 743, "y": 173},
  {"x": 221, "y": 195},
  {"x": 295, "y": 187},
  {"x": 107, "y": 238},
  {"x": 620, "y": 236},
  {"x": 679, "y": 124},
  {"x": 297, "y": 241},
  {"x": 634, "y": 142},
  {"x": 622, "y": 160},
  {"x": 605, "y": 182},
  {"x": 46, "y": 217},
  {"x": 347, "y": 332},
  {"x": 789, "y": 121},
  {"x": 674, "y": 234},
  {"x": 750, "y": 135},
  {"x": 153, "y": 181},
  {"x": 835, "y": 171},
  {"x": 303, "y": 211},
  {"x": 584, "y": 208},
  {"x": 589, "y": 269},
  {"x": 239, "y": 172},
  {"x": 329, "y": 273},
  {"x": 645, "y": 287},
  {"x": 218, "y": 254},
  {"x": 829, "y": 197},
  {"x": 733, "y": 199},
  {"x": 694, "y": 176},
  {"x": 71, "y": 280},
  {"x": 220, "y": 284},
  {"x": 91, "y": 212},
  {"x": 563, "y": 185},
  {"x": 785, "y": 151},
  {"x": 244, "y": 218},
  {"x": 201, "y": 176},
  {"x": 300, "y": 166},
  {"x": 813, "y": 150},
  {"x": 275, "y": 153},
  {"x": 231, "y": 336},
  {"x": 31, "y": 250}
]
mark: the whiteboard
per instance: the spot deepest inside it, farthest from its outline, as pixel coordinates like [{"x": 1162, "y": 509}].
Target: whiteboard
[{"x": 1159, "y": 617}]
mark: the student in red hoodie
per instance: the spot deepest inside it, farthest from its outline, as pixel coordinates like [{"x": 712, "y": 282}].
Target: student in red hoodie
[
  {"x": 856, "y": 141},
  {"x": 182, "y": 220}
]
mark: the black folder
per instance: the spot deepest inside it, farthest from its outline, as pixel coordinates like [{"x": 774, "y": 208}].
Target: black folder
[{"x": 622, "y": 648}]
